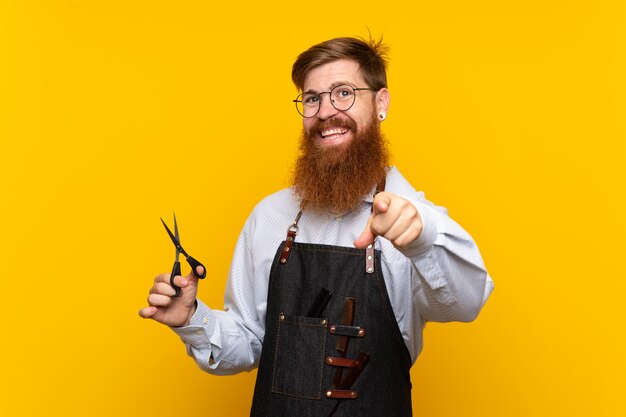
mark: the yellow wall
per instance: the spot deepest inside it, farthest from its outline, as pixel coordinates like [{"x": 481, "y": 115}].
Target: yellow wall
[{"x": 114, "y": 113}]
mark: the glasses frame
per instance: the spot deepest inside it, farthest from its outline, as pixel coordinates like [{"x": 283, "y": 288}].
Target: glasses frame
[{"x": 332, "y": 102}]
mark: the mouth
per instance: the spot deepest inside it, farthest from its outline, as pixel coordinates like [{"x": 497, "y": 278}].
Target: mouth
[{"x": 334, "y": 133}]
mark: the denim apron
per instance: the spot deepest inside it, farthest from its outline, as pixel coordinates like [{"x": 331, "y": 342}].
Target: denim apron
[{"x": 349, "y": 359}]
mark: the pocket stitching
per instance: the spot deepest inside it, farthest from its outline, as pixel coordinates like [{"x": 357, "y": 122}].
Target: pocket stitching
[{"x": 321, "y": 359}]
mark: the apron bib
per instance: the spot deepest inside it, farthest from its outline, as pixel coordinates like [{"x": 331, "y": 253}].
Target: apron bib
[{"x": 349, "y": 358}]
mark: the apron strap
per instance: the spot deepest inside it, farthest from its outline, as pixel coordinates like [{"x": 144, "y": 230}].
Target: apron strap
[
  {"x": 291, "y": 236},
  {"x": 293, "y": 231},
  {"x": 369, "y": 251}
]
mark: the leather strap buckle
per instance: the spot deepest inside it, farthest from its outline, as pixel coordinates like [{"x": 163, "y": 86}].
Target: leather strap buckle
[
  {"x": 342, "y": 393},
  {"x": 342, "y": 362},
  {"x": 350, "y": 331}
]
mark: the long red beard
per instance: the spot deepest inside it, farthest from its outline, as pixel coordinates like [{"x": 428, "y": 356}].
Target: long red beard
[{"x": 336, "y": 179}]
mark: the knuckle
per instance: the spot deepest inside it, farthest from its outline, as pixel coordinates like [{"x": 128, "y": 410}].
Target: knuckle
[
  {"x": 400, "y": 243},
  {"x": 408, "y": 207},
  {"x": 403, "y": 241}
]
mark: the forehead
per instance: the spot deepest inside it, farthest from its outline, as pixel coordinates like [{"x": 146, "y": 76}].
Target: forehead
[{"x": 327, "y": 76}]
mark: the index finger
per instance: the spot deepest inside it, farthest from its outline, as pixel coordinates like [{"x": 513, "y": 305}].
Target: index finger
[{"x": 381, "y": 203}]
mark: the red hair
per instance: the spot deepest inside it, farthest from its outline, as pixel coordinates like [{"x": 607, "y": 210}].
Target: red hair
[{"x": 371, "y": 57}]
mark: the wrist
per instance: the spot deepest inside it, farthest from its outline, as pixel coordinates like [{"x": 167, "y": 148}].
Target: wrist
[{"x": 194, "y": 307}]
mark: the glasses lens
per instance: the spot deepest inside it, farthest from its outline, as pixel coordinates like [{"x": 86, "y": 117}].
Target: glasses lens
[
  {"x": 342, "y": 97},
  {"x": 308, "y": 104}
]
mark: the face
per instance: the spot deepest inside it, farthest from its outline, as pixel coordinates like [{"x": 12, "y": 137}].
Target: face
[
  {"x": 335, "y": 128},
  {"x": 342, "y": 153}
]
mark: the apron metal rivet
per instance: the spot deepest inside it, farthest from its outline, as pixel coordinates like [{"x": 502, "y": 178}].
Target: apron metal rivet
[
  {"x": 353, "y": 394},
  {"x": 332, "y": 329},
  {"x": 361, "y": 332},
  {"x": 369, "y": 258},
  {"x": 283, "y": 260},
  {"x": 329, "y": 393},
  {"x": 282, "y": 317},
  {"x": 329, "y": 360},
  {"x": 323, "y": 321},
  {"x": 369, "y": 246},
  {"x": 370, "y": 269},
  {"x": 286, "y": 249}
]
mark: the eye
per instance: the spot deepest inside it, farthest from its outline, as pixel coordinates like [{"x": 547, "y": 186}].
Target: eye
[
  {"x": 310, "y": 99},
  {"x": 343, "y": 92}
]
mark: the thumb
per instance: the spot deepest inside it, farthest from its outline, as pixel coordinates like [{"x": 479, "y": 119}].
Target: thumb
[
  {"x": 191, "y": 277},
  {"x": 186, "y": 280},
  {"x": 367, "y": 236},
  {"x": 199, "y": 272}
]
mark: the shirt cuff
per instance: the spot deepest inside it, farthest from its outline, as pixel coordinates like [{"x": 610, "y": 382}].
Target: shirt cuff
[{"x": 201, "y": 326}]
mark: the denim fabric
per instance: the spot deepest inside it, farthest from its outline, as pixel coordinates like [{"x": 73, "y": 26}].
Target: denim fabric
[{"x": 293, "y": 375}]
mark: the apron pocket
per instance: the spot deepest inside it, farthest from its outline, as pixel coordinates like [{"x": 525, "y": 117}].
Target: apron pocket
[{"x": 299, "y": 356}]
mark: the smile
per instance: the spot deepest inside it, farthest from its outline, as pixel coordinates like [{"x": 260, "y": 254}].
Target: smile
[{"x": 330, "y": 134}]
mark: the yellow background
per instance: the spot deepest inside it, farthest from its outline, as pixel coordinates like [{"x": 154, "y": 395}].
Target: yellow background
[{"x": 115, "y": 113}]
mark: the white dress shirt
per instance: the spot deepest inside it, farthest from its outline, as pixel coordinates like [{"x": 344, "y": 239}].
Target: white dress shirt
[{"x": 439, "y": 277}]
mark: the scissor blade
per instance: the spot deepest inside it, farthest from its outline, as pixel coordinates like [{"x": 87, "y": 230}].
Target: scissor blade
[
  {"x": 176, "y": 229},
  {"x": 179, "y": 248},
  {"x": 177, "y": 238}
]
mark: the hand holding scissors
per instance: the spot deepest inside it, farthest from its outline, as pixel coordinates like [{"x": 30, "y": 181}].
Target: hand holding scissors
[{"x": 179, "y": 249}]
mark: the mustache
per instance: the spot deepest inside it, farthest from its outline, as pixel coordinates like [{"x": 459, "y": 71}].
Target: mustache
[{"x": 334, "y": 122}]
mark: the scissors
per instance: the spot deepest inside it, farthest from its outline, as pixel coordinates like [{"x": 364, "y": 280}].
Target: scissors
[{"x": 179, "y": 249}]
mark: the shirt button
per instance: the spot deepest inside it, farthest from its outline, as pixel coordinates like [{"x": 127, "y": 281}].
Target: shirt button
[
  {"x": 198, "y": 332},
  {"x": 338, "y": 218},
  {"x": 205, "y": 320}
]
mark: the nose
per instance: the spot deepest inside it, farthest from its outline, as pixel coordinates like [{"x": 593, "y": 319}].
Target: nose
[{"x": 326, "y": 108}]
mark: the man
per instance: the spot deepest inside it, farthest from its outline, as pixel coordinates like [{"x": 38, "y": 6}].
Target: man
[{"x": 333, "y": 280}]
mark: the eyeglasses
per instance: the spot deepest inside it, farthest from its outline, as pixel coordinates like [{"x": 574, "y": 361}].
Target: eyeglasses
[{"x": 342, "y": 98}]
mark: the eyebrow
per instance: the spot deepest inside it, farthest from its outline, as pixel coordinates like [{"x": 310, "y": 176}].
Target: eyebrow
[{"x": 333, "y": 85}]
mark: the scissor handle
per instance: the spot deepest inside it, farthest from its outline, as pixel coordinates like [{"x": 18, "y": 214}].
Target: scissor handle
[
  {"x": 194, "y": 264},
  {"x": 175, "y": 271}
]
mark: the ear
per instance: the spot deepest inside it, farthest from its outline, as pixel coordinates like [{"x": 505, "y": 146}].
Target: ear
[{"x": 382, "y": 101}]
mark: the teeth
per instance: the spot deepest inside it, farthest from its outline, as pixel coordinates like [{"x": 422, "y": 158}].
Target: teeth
[{"x": 333, "y": 132}]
